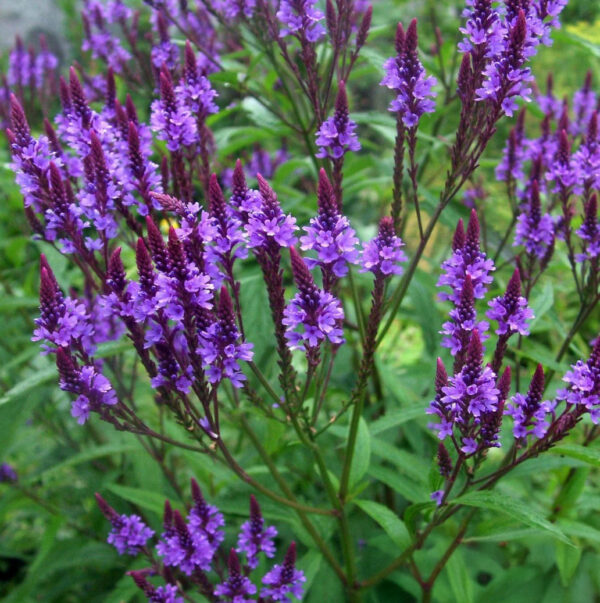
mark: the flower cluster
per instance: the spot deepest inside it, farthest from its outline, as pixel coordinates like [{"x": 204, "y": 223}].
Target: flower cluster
[
  {"x": 317, "y": 313},
  {"x": 301, "y": 18},
  {"x": 529, "y": 412},
  {"x": 406, "y": 76},
  {"x": 511, "y": 310},
  {"x": 7, "y": 473},
  {"x": 500, "y": 40},
  {"x": 583, "y": 389},
  {"x": 470, "y": 401},
  {"x": 330, "y": 235},
  {"x": 191, "y": 547},
  {"x": 336, "y": 135},
  {"x": 383, "y": 254},
  {"x": 467, "y": 273},
  {"x": 30, "y": 69}
]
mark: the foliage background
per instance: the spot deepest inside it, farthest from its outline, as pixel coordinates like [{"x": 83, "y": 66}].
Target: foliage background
[{"x": 52, "y": 536}]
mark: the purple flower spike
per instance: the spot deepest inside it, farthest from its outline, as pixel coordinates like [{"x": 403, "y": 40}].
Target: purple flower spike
[
  {"x": 469, "y": 399},
  {"x": 255, "y": 537},
  {"x": 406, "y": 76},
  {"x": 317, "y": 313},
  {"x": 583, "y": 387},
  {"x": 181, "y": 547},
  {"x": 464, "y": 321},
  {"x": 244, "y": 201},
  {"x": 204, "y": 520},
  {"x": 511, "y": 310},
  {"x": 129, "y": 534},
  {"x": 237, "y": 588},
  {"x": 330, "y": 235},
  {"x": 219, "y": 345},
  {"x": 8, "y": 474},
  {"x": 466, "y": 259},
  {"x": 336, "y": 135},
  {"x": 171, "y": 119},
  {"x": 94, "y": 389},
  {"x": 535, "y": 231},
  {"x": 269, "y": 226},
  {"x": 160, "y": 594},
  {"x": 584, "y": 104},
  {"x": 383, "y": 254},
  {"x": 589, "y": 231},
  {"x": 195, "y": 89},
  {"x": 301, "y": 18},
  {"x": 284, "y": 581},
  {"x": 529, "y": 413}
]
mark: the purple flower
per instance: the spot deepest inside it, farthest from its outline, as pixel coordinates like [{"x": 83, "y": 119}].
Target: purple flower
[
  {"x": 467, "y": 400},
  {"x": 237, "y": 588},
  {"x": 511, "y": 310},
  {"x": 589, "y": 231},
  {"x": 514, "y": 155},
  {"x": 232, "y": 8},
  {"x": 301, "y": 18},
  {"x": 383, "y": 254},
  {"x": 255, "y": 537},
  {"x": 284, "y": 580},
  {"x": 437, "y": 497},
  {"x": 129, "y": 533},
  {"x": 194, "y": 88},
  {"x": 548, "y": 103},
  {"x": 483, "y": 29},
  {"x": 336, "y": 135},
  {"x": 181, "y": 547},
  {"x": 268, "y": 226},
  {"x": 7, "y": 473},
  {"x": 219, "y": 345},
  {"x": 62, "y": 321},
  {"x": 563, "y": 169},
  {"x": 205, "y": 521},
  {"x": 317, "y": 313},
  {"x": 529, "y": 413},
  {"x": 535, "y": 231},
  {"x": 583, "y": 387},
  {"x": 171, "y": 119},
  {"x": 161, "y": 594},
  {"x": 226, "y": 234},
  {"x": 467, "y": 258},
  {"x": 244, "y": 201},
  {"x": 94, "y": 389},
  {"x": 584, "y": 104},
  {"x": 406, "y": 76},
  {"x": 97, "y": 19},
  {"x": 464, "y": 321},
  {"x": 330, "y": 235}
]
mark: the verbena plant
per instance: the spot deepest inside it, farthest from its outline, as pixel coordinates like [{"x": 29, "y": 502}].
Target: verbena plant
[{"x": 209, "y": 322}]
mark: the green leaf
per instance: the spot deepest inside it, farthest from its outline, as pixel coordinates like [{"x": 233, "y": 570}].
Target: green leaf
[
  {"x": 458, "y": 576},
  {"x": 26, "y": 385},
  {"x": 587, "y": 454},
  {"x": 88, "y": 455},
  {"x": 388, "y": 520},
  {"x": 405, "y": 486},
  {"x": 362, "y": 454},
  {"x": 542, "y": 303},
  {"x": 567, "y": 561},
  {"x": 501, "y": 503},
  {"x": 153, "y": 501},
  {"x": 396, "y": 418}
]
